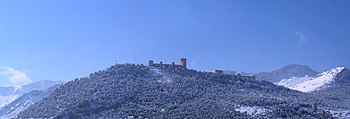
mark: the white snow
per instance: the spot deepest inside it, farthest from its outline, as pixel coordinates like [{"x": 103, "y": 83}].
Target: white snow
[
  {"x": 13, "y": 112},
  {"x": 255, "y": 110},
  {"x": 293, "y": 81},
  {"x": 162, "y": 77},
  {"x": 4, "y": 100},
  {"x": 309, "y": 84},
  {"x": 15, "y": 92},
  {"x": 340, "y": 114}
]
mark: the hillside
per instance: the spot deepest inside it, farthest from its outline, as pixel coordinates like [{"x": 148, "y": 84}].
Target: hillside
[
  {"x": 11, "y": 93},
  {"x": 332, "y": 88},
  {"x": 338, "y": 91},
  {"x": 123, "y": 91},
  {"x": 25, "y": 101},
  {"x": 309, "y": 84}
]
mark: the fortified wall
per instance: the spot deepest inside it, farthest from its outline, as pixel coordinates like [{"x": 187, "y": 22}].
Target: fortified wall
[
  {"x": 238, "y": 75},
  {"x": 182, "y": 63}
]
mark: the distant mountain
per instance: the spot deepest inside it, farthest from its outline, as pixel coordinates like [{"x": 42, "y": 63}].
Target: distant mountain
[
  {"x": 333, "y": 86},
  {"x": 138, "y": 91},
  {"x": 23, "y": 102},
  {"x": 11, "y": 93},
  {"x": 309, "y": 84},
  {"x": 286, "y": 72},
  {"x": 7, "y": 95}
]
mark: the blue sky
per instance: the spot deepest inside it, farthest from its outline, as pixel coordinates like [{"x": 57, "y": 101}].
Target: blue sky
[{"x": 63, "y": 40}]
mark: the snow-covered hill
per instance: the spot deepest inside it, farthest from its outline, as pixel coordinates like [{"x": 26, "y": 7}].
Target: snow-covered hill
[
  {"x": 11, "y": 93},
  {"x": 309, "y": 84},
  {"x": 293, "y": 81},
  {"x": 4, "y": 100},
  {"x": 23, "y": 102},
  {"x": 14, "y": 99}
]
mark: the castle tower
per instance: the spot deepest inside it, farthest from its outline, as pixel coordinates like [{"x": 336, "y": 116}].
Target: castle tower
[
  {"x": 239, "y": 75},
  {"x": 218, "y": 71},
  {"x": 150, "y": 62},
  {"x": 183, "y": 62}
]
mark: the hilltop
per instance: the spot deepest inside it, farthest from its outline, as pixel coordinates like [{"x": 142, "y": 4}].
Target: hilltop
[{"x": 139, "y": 91}]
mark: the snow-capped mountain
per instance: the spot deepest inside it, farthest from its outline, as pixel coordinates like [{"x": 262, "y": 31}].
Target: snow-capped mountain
[
  {"x": 23, "y": 102},
  {"x": 309, "y": 84},
  {"x": 11, "y": 93},
  {"x": 293, "y": 81},
  {"x": 286, "y": 72},
  {"x": 332, "y": 85}
]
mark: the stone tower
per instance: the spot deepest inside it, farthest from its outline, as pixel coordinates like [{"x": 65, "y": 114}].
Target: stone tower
[
  {"x": 150, "y": 62},
  {"x": 183, "y": 62}
]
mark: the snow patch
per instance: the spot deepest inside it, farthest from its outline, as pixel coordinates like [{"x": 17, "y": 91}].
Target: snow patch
[
  {"x": 4, "y": 100},
  {"x": 309, "y": 84},
  {"x": 341, "y": 114},
  {"x": 293, "y": 81},
  {"x": 255, "y": 110},
  {"x": 162, "y": 77},
  {"x": 13, "y": 112},
  {"x": 12, "y": 101}
]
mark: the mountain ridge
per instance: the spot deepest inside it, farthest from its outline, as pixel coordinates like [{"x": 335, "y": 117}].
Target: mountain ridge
[
  {"x": 24, "y": 101},
  {"x": 288, "y": 71},
  {"x": 9, "y": 94},
  {"x": 318, "y": 82}
]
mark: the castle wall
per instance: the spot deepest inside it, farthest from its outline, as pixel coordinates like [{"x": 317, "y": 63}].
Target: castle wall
[{"x": 182, "y": 63}]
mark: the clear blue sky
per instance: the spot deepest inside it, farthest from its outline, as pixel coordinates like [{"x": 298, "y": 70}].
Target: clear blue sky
[{"x": 66, "y": 39}]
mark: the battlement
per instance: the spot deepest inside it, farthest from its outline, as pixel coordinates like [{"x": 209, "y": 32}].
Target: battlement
[
  {"x": 182, "y": 63},
  {"x": 218, "y": 71}
]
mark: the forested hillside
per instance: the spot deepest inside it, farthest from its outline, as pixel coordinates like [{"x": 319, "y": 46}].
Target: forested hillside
[{"x": 138, "y": 91}]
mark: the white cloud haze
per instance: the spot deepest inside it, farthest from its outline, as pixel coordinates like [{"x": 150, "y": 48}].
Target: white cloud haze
[
  {"x": 14, "y": 76},
  {"x": 302, "y": 37}
]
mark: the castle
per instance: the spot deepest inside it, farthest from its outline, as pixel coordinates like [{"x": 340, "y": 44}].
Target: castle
[{"x": 182, "y": 63}]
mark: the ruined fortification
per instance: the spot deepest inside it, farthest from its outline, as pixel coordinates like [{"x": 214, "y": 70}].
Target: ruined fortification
[{"x": 182, "y": 63}]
